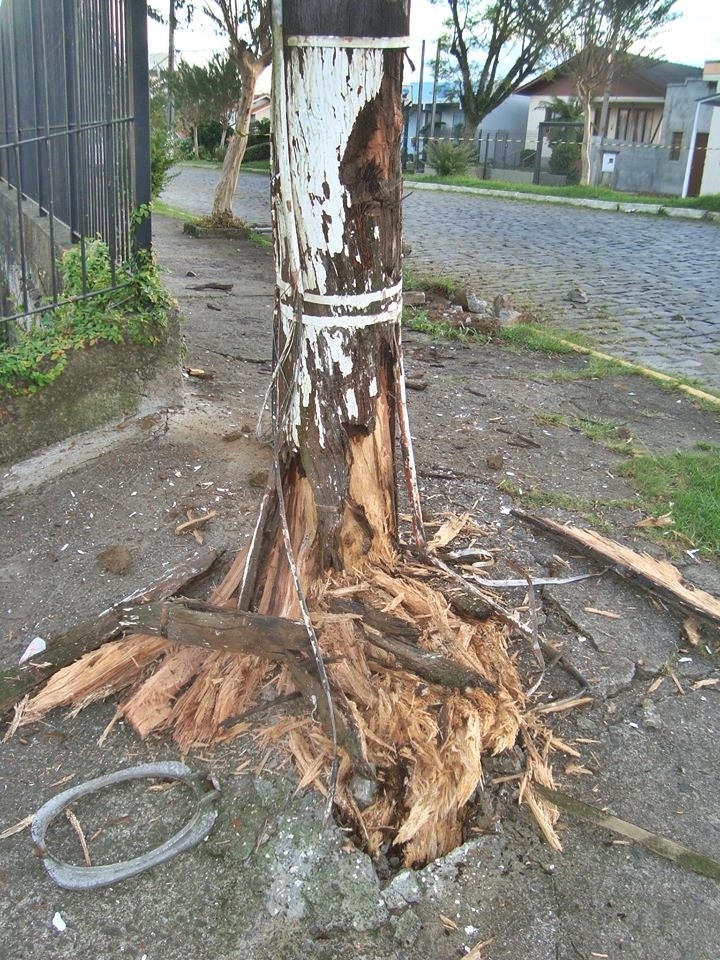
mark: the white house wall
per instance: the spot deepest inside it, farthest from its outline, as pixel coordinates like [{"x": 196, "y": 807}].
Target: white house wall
[{"x": 711, "y": 173}]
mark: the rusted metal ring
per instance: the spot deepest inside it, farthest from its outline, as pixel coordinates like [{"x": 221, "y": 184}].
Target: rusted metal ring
[{"x": 76, "y": 877}]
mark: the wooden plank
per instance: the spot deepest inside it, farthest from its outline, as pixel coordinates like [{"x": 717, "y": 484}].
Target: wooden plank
[{"x": 657, "y": 576}]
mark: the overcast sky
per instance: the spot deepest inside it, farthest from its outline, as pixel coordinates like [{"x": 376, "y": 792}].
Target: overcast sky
[{"x": 693, "y": 38}]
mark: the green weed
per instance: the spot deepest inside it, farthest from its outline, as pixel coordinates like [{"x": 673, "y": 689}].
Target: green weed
[
  {"x": 685, "y": 485},
  {"x": 97, "y": 307}
]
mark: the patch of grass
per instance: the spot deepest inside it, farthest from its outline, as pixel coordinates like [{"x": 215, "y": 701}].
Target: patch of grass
[
  {"x": 685, "y": 485},
  {"x": 709, "y": 202},
  {"x": 597, "y": 429},
  {"x": 533, "y": 336},
  {"x": 417, "y": 320},
  {"x": 167, "y": 210},
  {"x": 590, "y": 510},
  {"x": 430, "y": 283}
]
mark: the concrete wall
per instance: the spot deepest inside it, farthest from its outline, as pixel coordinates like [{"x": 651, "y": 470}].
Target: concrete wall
[
  {"x": 40, "y": 253},
  {"x": 100, "y": 384},
  {"x": 711, "y": 173}
]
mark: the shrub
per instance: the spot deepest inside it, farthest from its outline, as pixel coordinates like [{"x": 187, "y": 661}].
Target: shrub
[
  {"x": 565, "y": 159},
  {"x": 449, "y": 158}
]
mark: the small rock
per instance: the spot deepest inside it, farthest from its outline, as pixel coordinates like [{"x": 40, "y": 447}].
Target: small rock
[
  {"x": 414, "y": 298},
  {"x": 503, "y": 301},
  {"x": 471, "y": 302},
  {"x": 504, "y": 310},
  {"x": 476, "y": 305},
  {"x": 407, "y": 929},
  {"x": 117, "y": 560},
  {"x": 577, "y": 295},
  {"x": 364, "y": 791}
]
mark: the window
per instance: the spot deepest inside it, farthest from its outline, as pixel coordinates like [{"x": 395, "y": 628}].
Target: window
[
  {"x": 634, "y": 125},
  {"x": 676, "y": 145}
]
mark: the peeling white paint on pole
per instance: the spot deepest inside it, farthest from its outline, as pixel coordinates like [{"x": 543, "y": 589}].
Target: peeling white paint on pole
[{"x": 326, "y": 123}]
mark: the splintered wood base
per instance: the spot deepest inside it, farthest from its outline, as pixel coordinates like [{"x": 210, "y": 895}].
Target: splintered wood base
[{"x": 419, "y": 694}]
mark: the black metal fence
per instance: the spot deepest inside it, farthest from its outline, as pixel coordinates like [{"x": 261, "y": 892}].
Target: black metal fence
[{"x": 74, "y": 135}]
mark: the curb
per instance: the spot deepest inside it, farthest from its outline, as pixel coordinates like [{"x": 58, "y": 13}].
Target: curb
[{"x": 686, "y": 213}]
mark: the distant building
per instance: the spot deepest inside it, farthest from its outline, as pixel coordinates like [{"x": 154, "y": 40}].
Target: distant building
[{"x": 449, "y": 116}]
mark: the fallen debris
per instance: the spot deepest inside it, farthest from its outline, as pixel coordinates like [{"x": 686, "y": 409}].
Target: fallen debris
[
  {"x": 662, "y": 846},
  {"x": 68, "y": 647},
  {"x": 657, "y": 576}
]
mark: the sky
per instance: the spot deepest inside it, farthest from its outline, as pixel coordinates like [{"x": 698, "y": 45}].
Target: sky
[{"x": 691, "y": 39}]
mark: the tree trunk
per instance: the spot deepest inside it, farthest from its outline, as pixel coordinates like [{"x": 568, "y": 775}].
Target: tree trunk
[
  {"x": 337, "y": 193},
  {"x": 249, "y": 68},
  {"x": 585, "y": 98}
]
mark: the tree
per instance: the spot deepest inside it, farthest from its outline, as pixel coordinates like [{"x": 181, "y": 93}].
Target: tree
[
  {"x": 599, "y": 41},
  {"x": 225, "y": 87},
  {"x": 497, "y": 47},
  {"x": 247, "y": 24},
  {"x": 191, "y": 91}
]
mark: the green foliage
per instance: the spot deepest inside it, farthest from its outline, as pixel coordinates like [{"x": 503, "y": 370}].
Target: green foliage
[
  {"x": 258, "y": 145},
  {"x": 209, "y": 134},
  {"x": 163, "y": 152},
  {"x": 687, "y": 486},
  {"x": 449, "y": 158},
  {"x": 565, "y": 159},
  {"x": 131, "y": 307}
]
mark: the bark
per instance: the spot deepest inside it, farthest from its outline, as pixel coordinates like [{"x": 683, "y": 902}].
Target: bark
[
  {"x": 585, "y": 98},
  {"x": 337, "y": 215}
]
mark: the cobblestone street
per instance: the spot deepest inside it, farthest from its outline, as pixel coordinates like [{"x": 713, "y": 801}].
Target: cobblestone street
[{"x": 651, "y": 281}]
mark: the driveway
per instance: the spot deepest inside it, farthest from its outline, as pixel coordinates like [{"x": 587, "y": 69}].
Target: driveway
[{"x": 651, "y": 281}]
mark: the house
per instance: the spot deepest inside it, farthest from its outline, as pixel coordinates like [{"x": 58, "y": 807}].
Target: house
[
  {"x": 702, "y": 163},
  {"x": 656, "y": 138},
  {"x": 438, "y": 103}
]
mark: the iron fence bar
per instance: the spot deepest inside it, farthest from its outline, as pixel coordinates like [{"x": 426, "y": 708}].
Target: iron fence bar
[
  {"x": 136, "y": 32},
  {"x": 63, "y": 301},
  {"x": 17, "y": 145},
  {"x": 48, "y": 152}
]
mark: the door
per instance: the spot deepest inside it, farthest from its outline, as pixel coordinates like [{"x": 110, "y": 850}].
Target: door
[{"x": 698, "y": 164}]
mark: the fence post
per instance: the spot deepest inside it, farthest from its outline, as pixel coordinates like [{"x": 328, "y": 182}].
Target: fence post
[{"x": 140, "y": 108}]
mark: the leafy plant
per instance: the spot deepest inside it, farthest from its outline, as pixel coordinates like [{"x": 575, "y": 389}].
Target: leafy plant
[
  {"x": 128, "y": 304},
  {"x": 565, "y": 159},
  {"x": 449, "y": 158}
]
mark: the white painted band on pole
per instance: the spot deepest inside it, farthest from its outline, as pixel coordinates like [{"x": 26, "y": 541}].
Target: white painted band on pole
[
  {"x": 392, "y": 314},
  {"x": 360, "y": 43},
  {"x": 354, "y": 322},
  {"x": 357, "y": 301}
]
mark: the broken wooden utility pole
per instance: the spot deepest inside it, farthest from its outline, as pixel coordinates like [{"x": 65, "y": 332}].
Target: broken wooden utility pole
[
  {"x": 400, "y": 696},
  {"x": 339, "y": 393}
]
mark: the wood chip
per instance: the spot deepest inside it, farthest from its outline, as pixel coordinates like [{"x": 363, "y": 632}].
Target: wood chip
[
  {"x": 708, "y": 682},
  {"x": 650, "y": 522},
  {"x": 75, "y": 824},
  {"x": 18, "y": 827},
  {"x": 195, "y": 522},
  {"x": 691, "y": 631},
  {"x": 478, "y": 949},
  {"x": 603, "y": 613},
  {"x": 447, "y": 922},
  {"x": 449, "y": 530}
]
